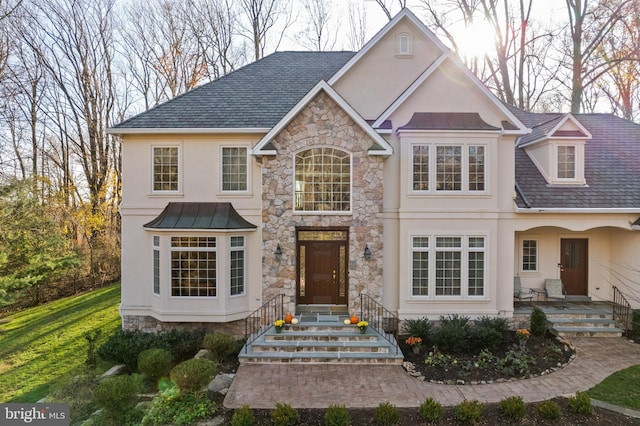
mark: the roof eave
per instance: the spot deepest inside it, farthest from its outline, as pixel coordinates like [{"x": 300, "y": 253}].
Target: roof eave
[{"x": 185, "y": 130}]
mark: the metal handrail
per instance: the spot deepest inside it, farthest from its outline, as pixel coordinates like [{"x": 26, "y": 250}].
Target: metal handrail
[
  {"x": 261, "y": 320},
  {"x": 621, "y": 308},
  {"x": 380, "y": 319}
]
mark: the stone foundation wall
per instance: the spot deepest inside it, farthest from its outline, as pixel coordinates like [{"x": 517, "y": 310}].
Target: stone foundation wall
[
  {"x": 148, "y": 324},
  {"x": 322, "y": 123}
]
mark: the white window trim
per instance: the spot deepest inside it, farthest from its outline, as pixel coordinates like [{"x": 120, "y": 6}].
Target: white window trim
[
  {"x": 464, "y": 262},
  {"x": 323, "y": 212},
  {"x": 244, "y": 266},
  {"x": 433, "y": 147},
  {"x": 248, "y": 175},
  {"x": 405, "y": 39},
  {"x": 180, "y": 170}
]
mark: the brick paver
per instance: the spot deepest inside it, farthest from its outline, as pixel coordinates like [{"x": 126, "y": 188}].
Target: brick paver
[{"x": 320, "y": 385}]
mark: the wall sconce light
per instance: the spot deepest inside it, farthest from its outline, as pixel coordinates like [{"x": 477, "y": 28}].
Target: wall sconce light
[
  {"x": 367, "y": 252},
  {"x": 278, "y": 252}
]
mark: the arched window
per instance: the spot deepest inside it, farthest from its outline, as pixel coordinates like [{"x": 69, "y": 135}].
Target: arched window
[{"x": 322, "y": 180}]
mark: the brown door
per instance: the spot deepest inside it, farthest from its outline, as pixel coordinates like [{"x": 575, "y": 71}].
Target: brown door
[
  {"x": 322, "y": 268},
  {"x": 573, "y": 264}
]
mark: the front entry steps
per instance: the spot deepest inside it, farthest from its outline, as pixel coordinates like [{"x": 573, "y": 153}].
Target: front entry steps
[
  {"x": 319, "y": 339},
  {"x": 582, "y": 323}
]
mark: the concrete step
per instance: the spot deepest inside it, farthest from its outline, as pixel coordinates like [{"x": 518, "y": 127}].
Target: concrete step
[
  {"x": 321, "y": 358},
  {"x": 580, "y": 315},
  {"x": 315, "y": 346}
]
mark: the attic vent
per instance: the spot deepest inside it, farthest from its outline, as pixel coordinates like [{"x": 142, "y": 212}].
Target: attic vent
[{"x": 404, "y": 45}]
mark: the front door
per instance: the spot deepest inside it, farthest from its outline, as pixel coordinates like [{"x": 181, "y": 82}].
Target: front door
[
  {"x": 573, "y": 264},
  {"x": 322, "y": 263}
]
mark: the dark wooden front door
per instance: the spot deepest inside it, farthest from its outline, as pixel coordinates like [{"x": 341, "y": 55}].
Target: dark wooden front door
[
  {"x": 573, "y": 261},
  {"x": 322, "y": 261}
]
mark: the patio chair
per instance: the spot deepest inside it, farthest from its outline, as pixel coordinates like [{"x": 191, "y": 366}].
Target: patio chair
[
  {"x": 519, "y": 293},
  {"x": 554, "y": 290}
]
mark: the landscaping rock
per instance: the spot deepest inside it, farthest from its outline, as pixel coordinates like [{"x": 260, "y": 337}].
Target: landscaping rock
[
  {"x": 216, "y": 421},
  {"x": 220, "y": 382},
  {"x": 116, "y": 370},
  {"x": 206, "y": 354}
]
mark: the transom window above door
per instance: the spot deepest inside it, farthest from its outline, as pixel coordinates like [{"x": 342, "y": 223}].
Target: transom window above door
[{"x": 322, "y": 180}]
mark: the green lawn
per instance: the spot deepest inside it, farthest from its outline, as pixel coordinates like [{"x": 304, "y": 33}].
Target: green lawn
[
  {"x": 41, "y": 345},
  {"x": 621, "y": 388}
]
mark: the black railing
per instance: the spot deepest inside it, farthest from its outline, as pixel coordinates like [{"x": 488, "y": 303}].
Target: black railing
[
  {"x": 621, "y": 309},
  {"x": 258, "y": 322},
  {"x": 380, "y": 319}
]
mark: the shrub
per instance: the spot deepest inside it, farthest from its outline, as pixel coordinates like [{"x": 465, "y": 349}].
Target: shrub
[
  {"x": 386, "y": 414},
  {"x": 179, "y": 408},
  {"x": 485, "y": 337},
  {"x": 220, "y": 345},
  {"x": 125, "y": 346},
  {"x": 243, "y": 416},
  {"x": 337, "y": 415},
  {"x": 580, "y": 403},
  {"x": 117, "y": 396},
  {"x": 538, "y": 322},
  {"x": 194, "y": 374},
  {"x": 513, "y": 407},
  {"x": 469, "y": 412},
  {"x": 548, "y": 410},
  {"x": 284, "y": 415},
  {"x": 431, "y": 410},
  {"x": 634, "y": 332},
  {"x": 155, "y": 363},
  {"x": 452, "y": 336},
  {"x": 78, "y": 393},
  {"x": 418, "y": 327}
]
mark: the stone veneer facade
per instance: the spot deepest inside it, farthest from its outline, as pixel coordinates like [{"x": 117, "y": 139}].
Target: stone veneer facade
[{"x": 322, "y": 123}]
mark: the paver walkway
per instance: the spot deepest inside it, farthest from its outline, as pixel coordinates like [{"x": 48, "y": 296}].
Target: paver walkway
[{"x": 319, "y": 385}]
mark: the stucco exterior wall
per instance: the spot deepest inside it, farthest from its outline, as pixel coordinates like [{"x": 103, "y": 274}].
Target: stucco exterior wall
[{"x": 322, "y": 124}]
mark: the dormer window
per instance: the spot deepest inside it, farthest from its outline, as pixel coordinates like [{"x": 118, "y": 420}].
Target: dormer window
[{"x": 566, "y": 166}]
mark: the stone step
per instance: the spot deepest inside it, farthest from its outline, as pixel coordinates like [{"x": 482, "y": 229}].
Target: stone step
[
  {"x": 317, "y": 342},
  {"x": 320, "y": 358},
  {"x": 580, "y": 315},
  {"x": 311, "y": 346},
  {"x": 586, "y": 331},
  {"x": 582, "y": 322}
]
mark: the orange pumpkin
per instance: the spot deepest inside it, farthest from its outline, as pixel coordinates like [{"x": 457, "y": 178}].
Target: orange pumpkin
[
  {"x": 354, "y": 319},
  {"x": 288, "y": 318}
]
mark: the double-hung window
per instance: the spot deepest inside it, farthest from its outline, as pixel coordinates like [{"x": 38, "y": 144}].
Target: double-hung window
[
  {"x": 448, "y": 168},
  {"x": 234, "y": 169},
  {"x": 237, "y": 266},
  {"x": 166, "y": 168},
  {"x": 448, "y": 266},
  {"x": 156, "y": 265},
  {"x": 566, "y": 162},
  {"x": 529, "y": 255}
]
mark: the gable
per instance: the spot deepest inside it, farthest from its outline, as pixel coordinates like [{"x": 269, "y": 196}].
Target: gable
[
  {"x": 447, "y": 89},
  {"x": 378, "y": 74},
  {"x": 378, "y": 145}
]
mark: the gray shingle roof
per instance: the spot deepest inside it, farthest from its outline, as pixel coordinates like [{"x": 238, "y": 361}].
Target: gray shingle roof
[
  {"x": 612, "y": 169},
  {"x": 447, "y": 121},
  {"x": 257, "y": 95}
]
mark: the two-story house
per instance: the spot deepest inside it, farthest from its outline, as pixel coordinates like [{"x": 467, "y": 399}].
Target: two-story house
[{"x": 391, "y": 171}]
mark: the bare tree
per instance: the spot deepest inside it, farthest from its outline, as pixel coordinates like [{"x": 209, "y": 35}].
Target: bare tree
[
  {"x": 590, "y": 24},
  {"x": 317, "y": 34},
  {"x": 262, "y": 16},
  {"x": 357, "y": 29},
  {"x": 387, "y": 7}
]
